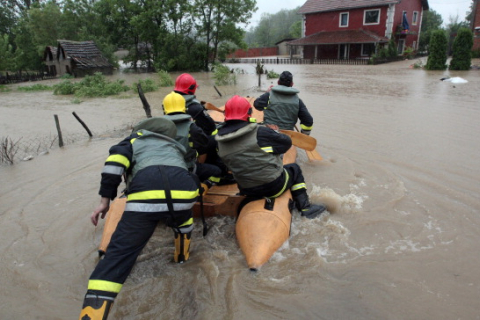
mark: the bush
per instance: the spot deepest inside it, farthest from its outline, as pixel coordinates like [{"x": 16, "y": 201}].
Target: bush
[
  {"x": 438, "y": 51},
  {"x": 223, "y": 76},
  {"x": 148, "y": 85},
  {"x": 462, "y": 46},
  {"x": 165, "y": 79},
  {"x": 91, "y": 86},
  {"x": 272, "y": 75}
]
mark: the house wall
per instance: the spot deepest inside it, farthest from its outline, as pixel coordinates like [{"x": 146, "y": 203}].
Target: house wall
[
  {"x": 330, "y": 21},
  {"x": 476, "y": 24}
]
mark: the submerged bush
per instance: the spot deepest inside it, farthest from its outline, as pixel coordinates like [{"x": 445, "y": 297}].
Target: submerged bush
[
  {"x": 91, "y": 86},
  {"x": 148, "y": 85},
  {"x": 272, "y": 75},
  {"x": 223, "y": 76},
  {"x": 165, "y": 79}
]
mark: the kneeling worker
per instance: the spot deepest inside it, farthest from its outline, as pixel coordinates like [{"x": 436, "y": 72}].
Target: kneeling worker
[
  {"x": 159, "y": 188},
  {"x": 253, "y": 154}
]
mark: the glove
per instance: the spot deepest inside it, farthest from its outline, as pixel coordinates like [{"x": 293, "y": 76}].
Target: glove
[{"x": 307, "y": 132}]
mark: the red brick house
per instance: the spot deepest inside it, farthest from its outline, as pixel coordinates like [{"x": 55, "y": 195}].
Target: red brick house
[
  {"x": 476, "y": 25},
  {"x": 354, "y": 29}
]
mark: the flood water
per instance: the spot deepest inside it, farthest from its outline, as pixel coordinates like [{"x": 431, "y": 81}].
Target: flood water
[{"x": 400, "y": 177}]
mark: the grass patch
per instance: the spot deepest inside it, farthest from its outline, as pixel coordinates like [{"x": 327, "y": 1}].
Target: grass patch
[
  {"x": 4, "y": 88},
  {"x": 35, "y": 87}
]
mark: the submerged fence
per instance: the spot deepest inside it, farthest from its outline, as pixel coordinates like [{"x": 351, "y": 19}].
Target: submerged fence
[
  {"x": 299, "y": 61},
  {"x": 24, "y": 77},
  {"x": 365, "y": 61}
]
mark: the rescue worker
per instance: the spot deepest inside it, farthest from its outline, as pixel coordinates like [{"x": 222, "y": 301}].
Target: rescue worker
[
  {"x": 253, "y": 153},
  {"x": 282, "y": 106},
  {"x": 192, "y": 138},
  {"x": 186, "y": 85},
  {"x": 159, "y": 188}
]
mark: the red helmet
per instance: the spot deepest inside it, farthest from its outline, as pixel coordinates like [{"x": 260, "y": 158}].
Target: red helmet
[
  {"x": 186, "y": 84},
  {"x": 237, "y": 108}
]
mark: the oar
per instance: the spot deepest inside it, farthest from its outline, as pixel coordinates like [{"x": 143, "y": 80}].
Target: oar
[
  {"x": 301, "y": 140},
  {"x": 210, "y": 106},
  {"x": 312, "y": 155}
]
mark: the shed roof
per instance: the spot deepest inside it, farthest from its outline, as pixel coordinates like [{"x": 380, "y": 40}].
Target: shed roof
[
  {"x": 338, "y": 37},
  {"x": 313, "y": 6},
  {"x": 51, "y": 51},
  {"x": 85, "y": 53}
]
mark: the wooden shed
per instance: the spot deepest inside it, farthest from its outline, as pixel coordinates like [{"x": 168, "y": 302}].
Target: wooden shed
[{"x": 78, "y": 58}]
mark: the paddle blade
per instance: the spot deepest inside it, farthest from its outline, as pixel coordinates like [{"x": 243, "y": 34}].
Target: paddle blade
[{"x": 301, "y": 140}]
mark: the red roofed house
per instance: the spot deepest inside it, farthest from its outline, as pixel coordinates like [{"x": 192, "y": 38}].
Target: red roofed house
[{"x": 353, "y": 29}]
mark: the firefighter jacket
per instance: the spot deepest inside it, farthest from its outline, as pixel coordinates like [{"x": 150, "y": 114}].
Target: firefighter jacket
[
  {"x": 142, "y": 151},
  {"x": 283, "y": 107},
  {"x": 190, "y": 136},
  {"x": 252, "y": 152},
  {"x": 199, "y": 115}
]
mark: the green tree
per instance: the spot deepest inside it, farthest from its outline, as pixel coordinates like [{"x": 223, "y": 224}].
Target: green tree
[
  {"x": 218, "y": 21},
  {"x": 438, "y": 51},
  {"x": 462, "y": 47},
  {"x": 275, "y": 27},
  {"x": 7, "y": 62},
  {"x": 431, "y": 21}
]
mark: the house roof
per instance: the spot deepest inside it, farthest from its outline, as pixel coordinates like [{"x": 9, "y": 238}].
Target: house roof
[
  {"x": 85, "y": 53},
  {"x": 313, "y": 6},
  {"x": 51, "y": 51},
  {"x": 284, "y": 40},
  {"x": 337, "y": 37}
]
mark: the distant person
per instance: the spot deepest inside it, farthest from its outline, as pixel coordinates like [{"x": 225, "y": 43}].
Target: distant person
[
  {"x": 159, "y": 188},
  {"x": 253, "y": 153},
  {"x": 282, "y": 106}
]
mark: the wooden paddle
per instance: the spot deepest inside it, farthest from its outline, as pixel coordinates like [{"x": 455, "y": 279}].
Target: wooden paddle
[
  {"x": 298, "y": 139},
  {"x": 313, "y": 154}
]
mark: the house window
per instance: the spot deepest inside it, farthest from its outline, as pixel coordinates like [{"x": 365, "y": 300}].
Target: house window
[
  {"x": 368, "y": 49},
  {"x": 371, "y": 17},
  {"x": 344, "y": 19},
  {"x": 415, "y": 18}
]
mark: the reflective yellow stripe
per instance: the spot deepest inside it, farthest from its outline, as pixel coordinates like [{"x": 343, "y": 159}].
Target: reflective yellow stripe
[
  {"x": 214, "y": 132},
  {"x": 214, "y": 179},
  {"x": 132, "y": 140},
  {"x": 104, "y": 286},
  {"x": 160, "y": 194},
  {"x": 118, "y": 158},
  {"x": 186, "y": 223},
  {"x": 284, "y": 186},
  {"x": 268, "y": 149},
  {"x": 304, "y": 127},
  {"x": 299, "y": 186}
]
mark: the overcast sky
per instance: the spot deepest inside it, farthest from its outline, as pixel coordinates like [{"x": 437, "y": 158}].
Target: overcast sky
[{"x": 445, "y": 8}]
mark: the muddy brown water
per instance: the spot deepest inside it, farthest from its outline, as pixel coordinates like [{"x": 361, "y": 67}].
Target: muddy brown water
[{"x": 400, "y": 177}]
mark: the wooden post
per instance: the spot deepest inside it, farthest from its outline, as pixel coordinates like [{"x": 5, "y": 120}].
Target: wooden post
[
  {"x": 146, "y": 106},
  {"x": 82, "y": 123},
  {"x": 217, "y": 91},
  {"x": 60, "y": 139}
]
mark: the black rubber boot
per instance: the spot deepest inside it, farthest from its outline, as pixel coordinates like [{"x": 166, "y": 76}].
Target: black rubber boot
[
  {"x": 95, "y": 306},
  {"x": 308, "y": 210}
]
